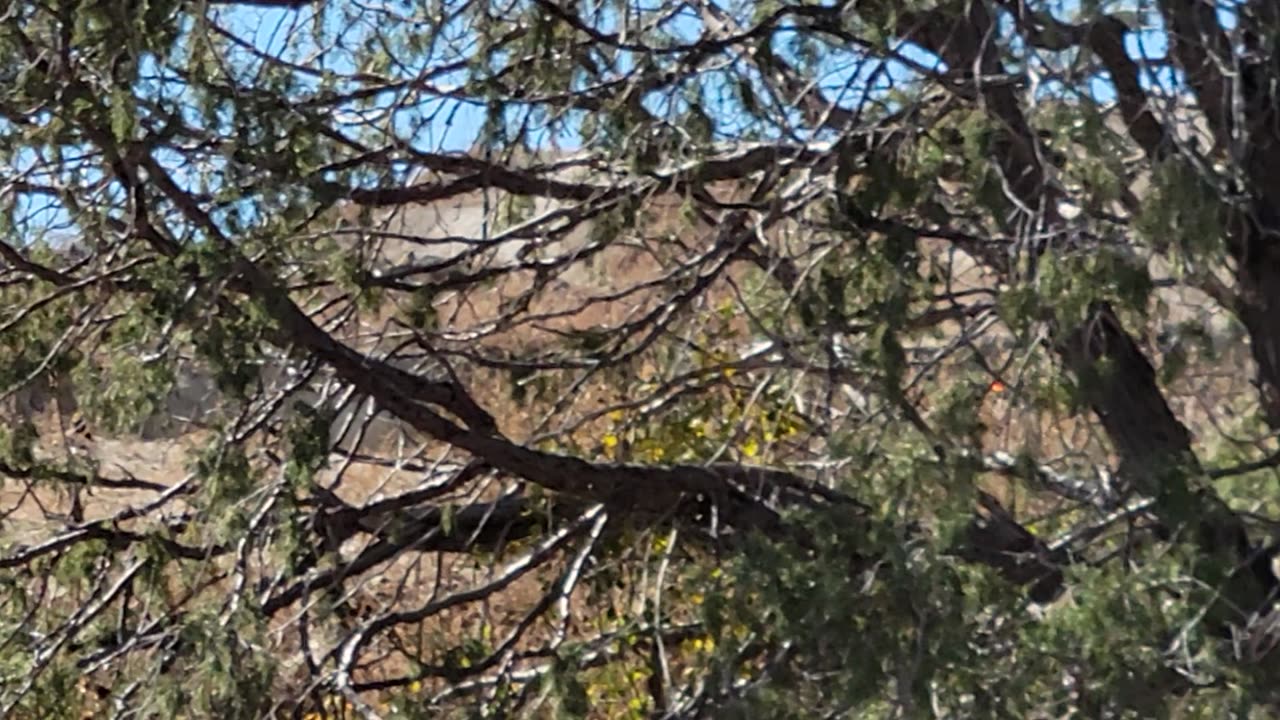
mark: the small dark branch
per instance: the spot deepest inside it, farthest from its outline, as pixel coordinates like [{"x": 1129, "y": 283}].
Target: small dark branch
[
  {"x": 1257, "y": 253},
  {"x": 115, "y": 538},
  {"x": 1202, "y": 50},
  {"x": 71, "y": 478},
  {"x": 1106, "y": 39},
  {"x": 367, "y": 374},
  {"x": 961, "y": 36},
  {"x": 17, "y": 261},
  {"x": 416, "y": 498},
  {"x": 784, "y": 489},
  {"x": 1266, "y": 463},
  {"x": 486, "y": 526},
  {"x": 997, "y": 540},
  {"x": 349, "y": 651},
  {"x": 447, "y": 529}
]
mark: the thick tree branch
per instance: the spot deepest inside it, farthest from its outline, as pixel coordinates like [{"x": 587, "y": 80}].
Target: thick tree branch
[{"x": 1155, "y": 448}]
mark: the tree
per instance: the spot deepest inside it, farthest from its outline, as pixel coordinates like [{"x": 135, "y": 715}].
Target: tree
[{"x": 639, "y": 360}]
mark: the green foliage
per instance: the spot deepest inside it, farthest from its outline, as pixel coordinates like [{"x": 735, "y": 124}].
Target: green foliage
[
  {"x": 125, "y": 390},
  {"x": 225, "y": 676},
  {"x": 307, "y": 434},
  {"x": 901, "y": 622},
  {"x": 229, "y": 481},
  {"x": 1183, "y": 216},
  {"x": 229, "y": 342},
  {"x": 1070, "y": 283},
  {"x": 30, "y": 350},
  {"x": 55, "y": 695}
]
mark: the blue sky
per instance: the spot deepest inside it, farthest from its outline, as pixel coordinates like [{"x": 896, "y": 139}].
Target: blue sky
[
  {"x": 451, "y": 126},
  {"x": 447, "y": 124},
  {"x": 459, "y": 123}
]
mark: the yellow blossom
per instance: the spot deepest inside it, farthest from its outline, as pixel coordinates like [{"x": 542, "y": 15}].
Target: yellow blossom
[
  {"x": 610, "y": 441},
  {"x": 750, "y": 448},
  {"x": 703, "y": 644},
  {"x": 696, "y": 425}
]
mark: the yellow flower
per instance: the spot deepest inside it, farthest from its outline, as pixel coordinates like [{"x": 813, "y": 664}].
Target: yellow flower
[
  {"x": 657, "y": 453},
  {"x": 750, "y": 448},
  {"x": 615, "y": 415},
  {"x": 610, "y": 441},
  {"x": 730, "y": 372},
  {"x": 696, "y": 598},
  {"x": 415, "y": 686}
]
